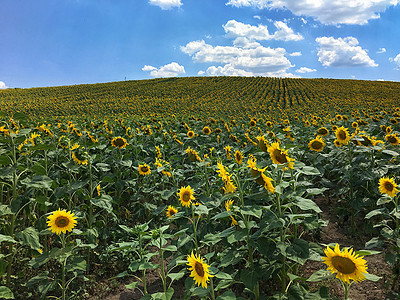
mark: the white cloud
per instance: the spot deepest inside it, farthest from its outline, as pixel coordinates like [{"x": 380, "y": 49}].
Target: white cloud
[
  {"x": 3, "y": 86},
  {"x": 326, "y": 11},
  {"x": 241, "y": 61},
  {"x": 295, "y": 54},
  {"x": 381, "y": 50},
  {"x": 171, "y": 70},
  {"x": 235, "y": 29},
  {"x": 305, "y": 70},
  {"x": 200, "y": 73},
  {"x": 257, "y": 17},
  {"x": 397, "y": 61},
  {"x": 166, "y": 4},
  {"x": 342, "y": 52}
]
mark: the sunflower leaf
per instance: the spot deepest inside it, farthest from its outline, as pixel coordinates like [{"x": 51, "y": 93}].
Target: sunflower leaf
[
  {"x": 6, "y": 293},
  {"x": 319, "y": 276}
]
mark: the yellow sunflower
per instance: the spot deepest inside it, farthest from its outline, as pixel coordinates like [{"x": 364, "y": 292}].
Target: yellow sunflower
[
  {"x": 228, "y": 205},
  {"x": 347, "y": 265},
  {"x": 61, "y": 221},
  {"x": 342, "y": 135},
  {"x": 144, "y": 169},
  {"x": 393, "y": 139},
  {"x": 239, "y": 157},
  {"x": 199, "y": 270},
  {"x": 207, "y": 130},
  {"x": 221, "y": 171},
  {"x": 190, "y": 134},
  {"x": 388, "y": 186},
  {"x": 171, "y": 211},
  {"x": 119, "y": 142},
  {"x": 186, "y": 195},
  {"x": 263, "y": 143},
  {"x": 280, "y": 156},
  {"x": 323, "y": 131},
  {"x": 317, "y": 144},
  {"x": 80, "y": 157}
]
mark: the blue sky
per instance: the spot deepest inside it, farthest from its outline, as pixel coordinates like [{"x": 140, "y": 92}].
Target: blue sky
[{"x": 66, "y": 42}]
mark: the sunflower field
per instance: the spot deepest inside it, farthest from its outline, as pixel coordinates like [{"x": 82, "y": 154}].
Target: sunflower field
[{"x": 210, "y": 185}]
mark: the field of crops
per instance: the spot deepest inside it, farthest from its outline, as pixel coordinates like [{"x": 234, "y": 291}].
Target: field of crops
[{"x": 208, "y": 183}]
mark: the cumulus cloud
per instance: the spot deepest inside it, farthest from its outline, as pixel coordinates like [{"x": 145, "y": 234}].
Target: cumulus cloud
[
  {"x": 330, "y": 12},
  {"x": 170, "y": 70},
  {"x": 295, "y": 54},
  {"x": 235, "y": 29},
  {"x": 3, "y": 86},
  {"x": 381, "y": 50},
  {"x": 166, "y": 4},
  {"x": 397, "y": 61},
  {"x": 305, "y": 70},
  {"x": 342, "y": 52},
  {"x": 240, "y": 61}
]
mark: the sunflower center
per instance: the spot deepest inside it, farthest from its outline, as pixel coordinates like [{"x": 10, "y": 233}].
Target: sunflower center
[
  {"x": 186, "y": 197},
  {"x": 343, "y": 264},
  {"x": 322, "y": 131},
  {"x": 391, "y": 139},
  {"x": 342, "y": 135},
  {"x": 316, "y": 145},
  {"x": 280, "y": 157},
  {"x": 366, "y": 141},
  {"x": 119, "y": 142},
  {"x": 171, "y": 212},
  {"x": 145, "y": 169},
  {"x": 199, "y": 269},
  {"x": 388, "y": 186},
  {"x": 62, "y": 222}
]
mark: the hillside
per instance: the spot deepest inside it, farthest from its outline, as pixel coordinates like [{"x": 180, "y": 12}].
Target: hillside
[{"x": 204, "y": 96}]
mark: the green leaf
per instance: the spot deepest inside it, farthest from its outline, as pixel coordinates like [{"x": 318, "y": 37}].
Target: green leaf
[
  {"x": 320, "y": 275},
  {"x": 38, "y": 169},
  {"x": 255, "y": 211},
  {"x": 221, "y": 215},
  {"x": 222, "y": 275},
  {"x": 104, "y": 202},
  {"x": 307, "y": 204},
  {"x": 390, "y": 152},
  {"x": 177, "y": 276},
  {"x": 19, "y": 116},
  {"x": 29, "y": 237},
  {"x": 366, "y": 252},
  {"x": 38, "y": 182},
  {"x": 5, "y": 210},
  {"x": 376, "y": 212},
  {"x": 228, "y": 295},
  {"x": 7, "y": 238},
  {"x": 5, "y": 160},
  {"x": 372, "y": 277},
  {"x": 132, "y": 285},
  {"x": 307, "y": 170},
  {"x": 315, "y": 191},
  {"x": 6, "y": 293}
]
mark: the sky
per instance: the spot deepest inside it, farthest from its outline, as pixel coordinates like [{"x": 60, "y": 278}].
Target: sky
[{"x": 68, "y": 42}]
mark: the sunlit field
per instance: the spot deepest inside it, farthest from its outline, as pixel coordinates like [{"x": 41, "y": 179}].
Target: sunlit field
[{"x": 209, "y": 184}]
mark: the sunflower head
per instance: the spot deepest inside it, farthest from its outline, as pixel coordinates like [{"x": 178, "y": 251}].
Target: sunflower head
[
  {"x": 354, "y": 125},
  {"x": 323, "y": 131},
  {"x": 393, "y": 139},
  {"x": 317, "y": 144},
  {"x": 199, "y": 270},
  {"x": 346, "y": 264},
  {"x": 342, "y": 135},
  {"x": 207, "y": 130},
  {"x": 280, "y": 156},
  {"x": 238, "y": 157},
  {"x": 263, "y": 143},
  {"x": 171, "y": 211},
  {"x": 144, "y": 169},
  {"x": 190, "y": 134},
  {"x": 119, "y": 142},
  {"x": 388, "y": 186},
  {"x": 269, "y": 124},
  {"x": 186, "y": 195},
  {"x": 80, "y": 156},
  {"x": 61, "y": 221}
]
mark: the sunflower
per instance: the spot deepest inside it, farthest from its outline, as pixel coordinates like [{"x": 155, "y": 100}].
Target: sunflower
[
  {"x": 269, "y": 124},
  {"x": 388, "y": 186},
  {"x": 317, "y": 144},
  {"x": 61, "y": 221},
  {"x": 239, "y": 157},
  {"x": 199, "y": 270},
  {"x": 144, "y": 169},
  {"x": 119, "y": 142},
  {"x": 253, "y": 122},
  {"x": 207, "y": 130},
  {"x": 280, "y": 156},
  {"x": 229, "y": 185},
  {"x": 337, "y": 143},
  {"x": 263, "y": 143},
  {"x": 171, "y": 211},
  {"x": 228, "y": 205},
  {"x": 80, "y": 157},
  {"x": 354, "y": 125},
  {"x": 339, "y": 117},
  {"x": 323, "y": 131},
  {"x": 186, "y": 195},
  {"x": 347, "y": 265},
  {"x": 190, "y": 134},
  {"x": 63, "y": 142},
  {"x": 342, "y": 135},
  {"x": 393, "y": 139}
]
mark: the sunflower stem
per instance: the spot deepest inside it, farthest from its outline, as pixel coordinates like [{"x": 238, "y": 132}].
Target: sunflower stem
[{"x": 212, "y": 289}]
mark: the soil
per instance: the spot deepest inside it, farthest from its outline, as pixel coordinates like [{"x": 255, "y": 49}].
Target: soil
[{"x": 333, "y": 233}]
